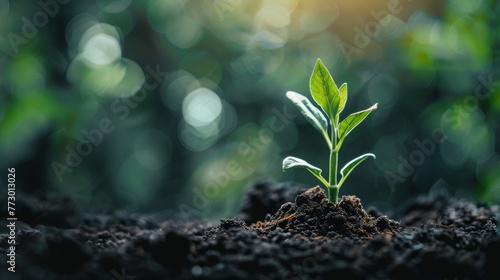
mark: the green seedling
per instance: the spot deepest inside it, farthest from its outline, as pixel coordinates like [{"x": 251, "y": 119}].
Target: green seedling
[{"x": 332, "y": 100}]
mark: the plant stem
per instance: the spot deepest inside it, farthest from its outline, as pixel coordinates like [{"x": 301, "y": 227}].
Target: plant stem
[{"x": 333, "y": 196}]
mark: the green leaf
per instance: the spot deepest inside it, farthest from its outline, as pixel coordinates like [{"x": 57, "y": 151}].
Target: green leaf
[
  {"x": 311, "y": 113},
  {"x": 325, "y": 92},
  {"x": 349, "y": 123},
  {"x": 349, "y": 167},
  {"x": 343, "y": 96},
  {"x": 293, "y": 162}
]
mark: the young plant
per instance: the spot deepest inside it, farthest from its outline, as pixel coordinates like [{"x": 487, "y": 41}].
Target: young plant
[{"x": 332, "y": 100}]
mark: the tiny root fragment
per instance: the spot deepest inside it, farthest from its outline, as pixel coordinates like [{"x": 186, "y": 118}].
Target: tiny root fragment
[{"x": 262, "y": 225}]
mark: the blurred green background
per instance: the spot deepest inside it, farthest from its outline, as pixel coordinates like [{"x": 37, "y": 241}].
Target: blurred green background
[{"x": 177, "y": 106}]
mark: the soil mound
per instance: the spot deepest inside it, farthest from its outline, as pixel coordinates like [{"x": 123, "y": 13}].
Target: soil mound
[{"x": 312, "y": 215}]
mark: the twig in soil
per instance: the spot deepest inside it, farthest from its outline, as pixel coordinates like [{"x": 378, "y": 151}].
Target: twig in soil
[{"x": 262, "y": 225}]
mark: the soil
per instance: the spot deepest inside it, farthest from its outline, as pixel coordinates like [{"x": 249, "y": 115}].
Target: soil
[{"x": 283, "y": 232}]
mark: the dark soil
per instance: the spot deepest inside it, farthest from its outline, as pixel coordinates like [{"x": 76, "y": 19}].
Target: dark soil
[
  {"x": 283, "y": 232},
  {"x": 312, "y": 215}
]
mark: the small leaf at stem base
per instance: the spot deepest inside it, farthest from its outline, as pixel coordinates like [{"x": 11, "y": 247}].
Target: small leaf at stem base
[{"x": 293, "y": 162}]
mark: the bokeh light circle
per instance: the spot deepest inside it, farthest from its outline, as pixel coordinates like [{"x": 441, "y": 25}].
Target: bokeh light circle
[
  {"x": 201, "y": 107},
  {"x": 101, "y": 49}
]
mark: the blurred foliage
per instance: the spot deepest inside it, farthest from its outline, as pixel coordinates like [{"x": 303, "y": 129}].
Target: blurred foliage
[{"x": 179, "y": 105}]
